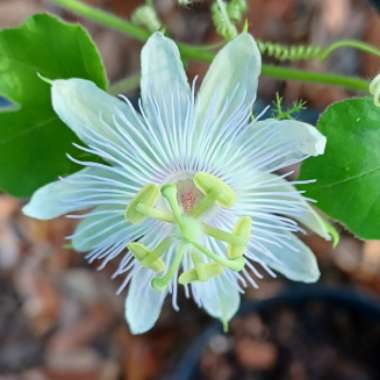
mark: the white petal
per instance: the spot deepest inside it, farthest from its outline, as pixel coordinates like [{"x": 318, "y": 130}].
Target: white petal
[
  {"x": 143, "y": 304},
  {"x": 292, "y": 140},
  {"x": 218, "y": 297},
  {"x": 284, "y": 190},
  {"x": 82, "y": 106},
  {"x": 98, "y": 226},
  {"x": 49, "y": 201},
  {"x": 166, "y": 97},
  {"x": 77, "y": 192},
  {"x": 231, "y": 80},
  {"x": 298, "y": 264},
  {"x": 162, "y": 72}
]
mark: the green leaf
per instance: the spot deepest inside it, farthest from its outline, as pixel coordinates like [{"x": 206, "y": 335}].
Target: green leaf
[
  {"x": 33, "y": 141},
  {"x": 348, "y": 174}
]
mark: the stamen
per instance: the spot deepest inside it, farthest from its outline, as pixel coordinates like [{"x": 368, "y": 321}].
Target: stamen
[
  {"x": 161, "y": 283},
  {"x": 214, "y": 190},
  {"x": 147, "y": 196},
  {"x": 158, "y": 252},
  {"x": 235, "y": 264},
  {"x": 242, "y": 231},
  {"x": 201, "y": 272},
  {"x": 147, "y": 258}
]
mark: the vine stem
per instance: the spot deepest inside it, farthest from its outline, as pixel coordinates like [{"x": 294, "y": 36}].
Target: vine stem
[
  {"x": 125, "y": 84},
  {"x": 201, "y": 54},
  {"x": 349, "y": 43}
]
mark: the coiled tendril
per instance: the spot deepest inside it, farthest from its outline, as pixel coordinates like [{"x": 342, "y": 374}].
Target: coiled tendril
[
  {"x": 305, "y": 52},
  {"x": 222, "y": 20},
  {"x": 289, "y": 53},
  {"x": 236, "y": 9}
]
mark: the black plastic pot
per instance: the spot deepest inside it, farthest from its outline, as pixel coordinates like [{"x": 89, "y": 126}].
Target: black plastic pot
[
  {"x": 293, "y": 298},
  {"x": 376, "y": 4}
]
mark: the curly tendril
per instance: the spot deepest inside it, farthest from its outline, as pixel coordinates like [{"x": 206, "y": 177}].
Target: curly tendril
[
  {"x": 289, "y": 53},
  {"x": 306, "y": 52},
  {"x": 236, "y": 9},
  {"x": 223, "y": 23},
  {"x": 225, "y": 16}
]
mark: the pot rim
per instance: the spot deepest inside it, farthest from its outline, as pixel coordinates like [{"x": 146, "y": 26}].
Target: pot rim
[{"x": 349, "y": 298}]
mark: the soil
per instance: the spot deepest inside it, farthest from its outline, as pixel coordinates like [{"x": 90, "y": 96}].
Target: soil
[{"x": 312, "y": 341}]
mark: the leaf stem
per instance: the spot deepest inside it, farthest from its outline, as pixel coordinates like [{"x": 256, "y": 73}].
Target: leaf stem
[{"x": 197, "y": 53}]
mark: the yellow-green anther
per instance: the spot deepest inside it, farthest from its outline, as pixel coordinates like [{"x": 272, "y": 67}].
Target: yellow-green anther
[
  {"x": 201, "y": 272},
  {"x": 161, "y": 282},
  {"x": 234, "y": 264},
  {"x": 157, "y": 252},
  {"x": 231, "y": 238},
  {"x": 242, "y": 231},
  {"x": 138, "y": 250},
  {"x": 214, "y": 190},
  {"x": 187, "y": 277},
  {"x": 209, "y": 184},
  {"x": 147, "y": 258},
  {"x": 147, "y": 196}
]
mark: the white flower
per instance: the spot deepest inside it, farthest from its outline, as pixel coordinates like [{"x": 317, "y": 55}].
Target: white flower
[{"x": 187, "y": 184}]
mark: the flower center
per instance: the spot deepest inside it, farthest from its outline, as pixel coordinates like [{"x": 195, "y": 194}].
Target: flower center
[{"x": 187, "y": 200}]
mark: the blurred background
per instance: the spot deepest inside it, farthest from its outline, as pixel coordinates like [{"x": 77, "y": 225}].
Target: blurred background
[{"x": 60, "y": 318}]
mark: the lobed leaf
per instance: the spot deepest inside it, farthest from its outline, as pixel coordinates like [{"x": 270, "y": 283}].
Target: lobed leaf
[
  {"x": 33, "y": 141},
  {"x": 348, "y": 174}
]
